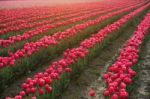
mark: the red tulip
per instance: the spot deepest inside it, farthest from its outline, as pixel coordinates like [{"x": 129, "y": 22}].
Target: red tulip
[
  {"x": 41, "y": 91},
  {"x": 114, "y": 96},
  {"x": 92, "y": 93},
  {"x": 18, "y": 97},
  {"x": 123, "y": 95},
  {"x": 48, "y": 80},
  {"x": 29, "y": 80},
  {"x": 68, "y": 70},
  {"x": 33, "y": 97},
  {"x": 33, "y": 90},
  {"x": 7, "y": 98},
  {"x": 24, "y": 85},
  {"x": 105, "y": 76},
  {"x": 22, "y": 93},
  {"x": 127, "y": 80},
  {"x": 28, "y": 90},
  {"x": 111, "y": 90},
  {"x": 41, "y": 82},
  {"x": 48, "y": 88},
  {"x": 63, "y": 63},
  {"x": 122, "y": 85},
  {"x": 1, "y": 65},
  {"x": 106, "y": 93}
]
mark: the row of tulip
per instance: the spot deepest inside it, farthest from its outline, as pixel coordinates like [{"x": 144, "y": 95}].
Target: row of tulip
[
  {"x": 46, "y": 54},
  {"x": 46, "y": 23},
  {"x": 47, "y": 15},
  {"x": 27, "y": 25},
  {"x": 44, "y": 84},
  {"x": 25, "y": 13},
  {"x": 60, "y": 34},
  {"x": 33, "y": 12},
  {"x": 120, "y": 74},
  {"x": 34, "y": 47}
]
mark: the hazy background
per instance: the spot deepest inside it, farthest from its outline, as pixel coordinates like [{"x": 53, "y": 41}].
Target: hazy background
[{"x": 29, "y": 3}]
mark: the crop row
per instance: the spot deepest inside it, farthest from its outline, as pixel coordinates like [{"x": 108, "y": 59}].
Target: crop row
[
  {"x": 33, "y": 13},
  {"x": 120, "y": 74},
  {"x": 46, "y": 26},
  {"x": 46, "y": 22},
  {"x": 45, "y": 53},
  {"x": 56, "y": 77},
  {"x": 26, "y": 23},
  {"x": 34, "y": 47}
]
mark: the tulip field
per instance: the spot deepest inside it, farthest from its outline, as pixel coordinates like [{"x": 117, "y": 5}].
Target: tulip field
[{"x": 88, "y": 50}]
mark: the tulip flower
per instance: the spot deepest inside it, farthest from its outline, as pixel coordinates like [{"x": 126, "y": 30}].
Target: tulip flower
[
  {"x": 33, "y": 98},
  {"x": 115, "y": 96},
  {"x": 41, "y": 92},
  {"x": 22, "y": 93},
  {"x": 122, "y": 68},
  {"x": 72, "y": 56},
  {"x": 92, "y": 93},
  {"x": 106, "y": 93}
]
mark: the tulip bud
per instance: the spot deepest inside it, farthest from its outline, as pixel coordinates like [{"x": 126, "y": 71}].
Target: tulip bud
[
  {"x": 124, "y": 95},
  {"x": 127, "y": 80},
  {"x": 114, "y": 96},
  {"x": 105, "y": 76},
  {"x": 68, "y": 70},
  {"x": 41, "y": 91},
  {"x": 33, "y": 90},
  {"x": 48, "y": 80},
  {"x": 122, "y": 85},
  {"x": 48, "y": 88},
  {"x": 18, "y": 97},
  {"x": 22, "y": 93},
  {"x": 7, "y": 98},
  {"x": 92, "y": 93},
  {"x": 111, "y": 90},
  {"x": 41, "y": 82},
  {"x": 106, "y": 93},
  {"x": 33, "y": 97}
]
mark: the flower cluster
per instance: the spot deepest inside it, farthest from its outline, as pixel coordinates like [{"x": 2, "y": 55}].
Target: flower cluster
[
  {"x": 120, "y": 74},
  {"x": 42, "y": 82},
  {"x": 26, "y": 23},
  {"x": 45, "y": 26},
  {"x": 28, "y": 50},
  {"x": 32, "y": 47},
  {"x": 10, "y": 17}
]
